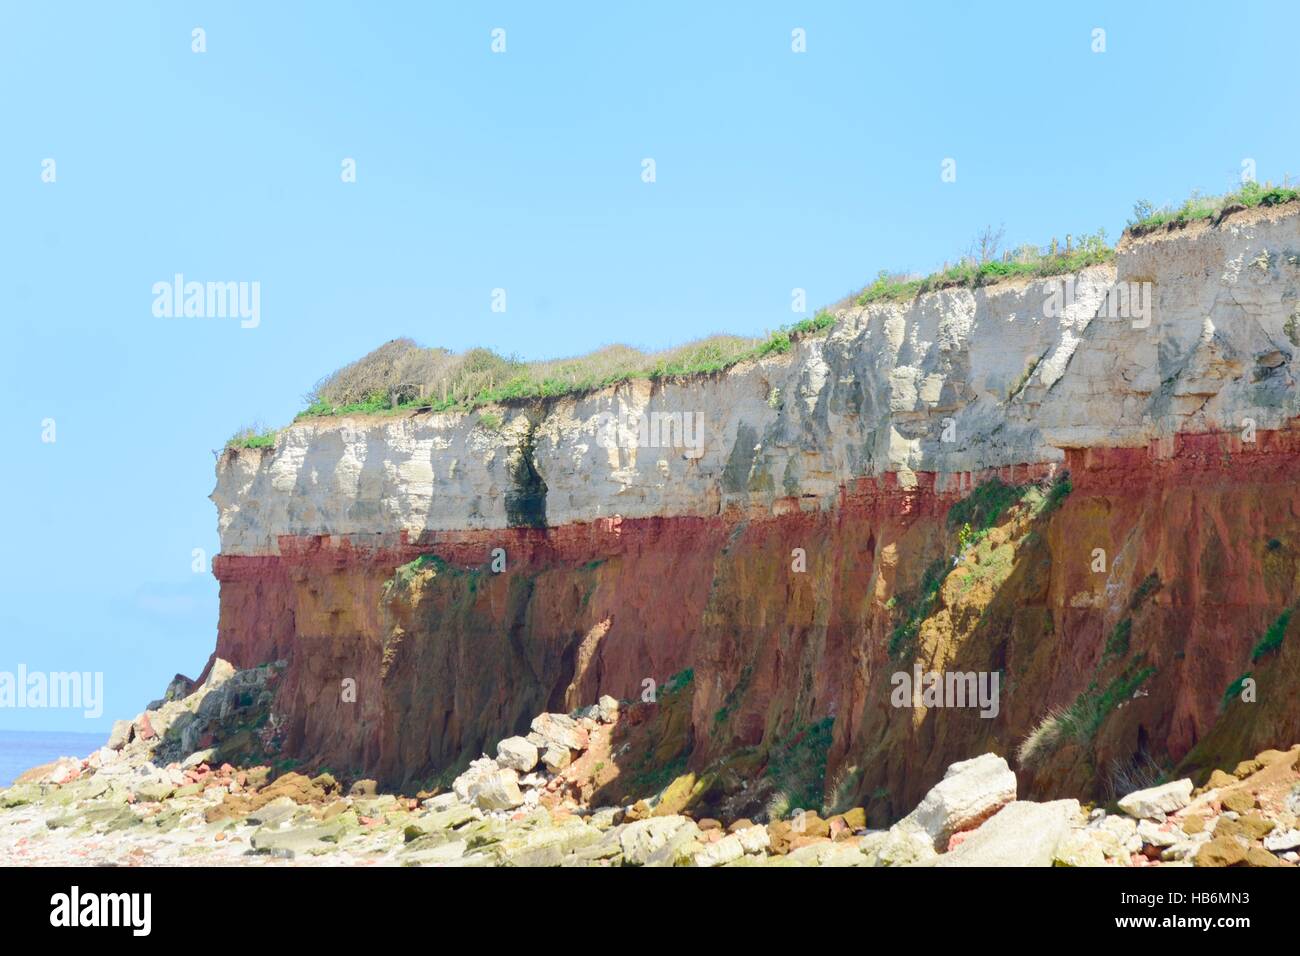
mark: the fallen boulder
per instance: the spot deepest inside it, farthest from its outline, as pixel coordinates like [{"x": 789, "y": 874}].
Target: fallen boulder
[
  {"x": 608, "y": 708},
  {"x": 970, "y": 792},
  {"x": 559, "y": 730},
  {"x": 644, "y": 840},
  {"x": 1154, "y": 803},
  {"x": 488, "y": 786},
  {"x": 1020, "y": 834},
  {"x": 516, "y": 753}
]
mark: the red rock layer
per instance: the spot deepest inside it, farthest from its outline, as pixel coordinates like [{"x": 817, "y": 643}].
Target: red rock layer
[{"x": 448, "y": 661}]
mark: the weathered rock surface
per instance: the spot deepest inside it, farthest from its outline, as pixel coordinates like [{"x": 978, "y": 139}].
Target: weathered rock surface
[
  {"x": 837, "y": 447},
  {"x": 1020, "y": 834},
  {"x": 969, "y": 793},
  {"x": 516, "y": 753},
  {"x": 1021, "y": 369},
  {"x": 1155, "y": 802}
]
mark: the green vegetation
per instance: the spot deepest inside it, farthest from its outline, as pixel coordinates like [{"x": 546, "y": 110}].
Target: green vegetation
[
  {"x": 842, "y": 796},
  {"x": 406, "y": 574},
  {"x": 1272, "y": 638},
  {"x": 665, "y": 757},
  {"x": 1060, "y": 490},
  {"x": 1083, "y": 718},
  {"x": 1042, "y": 502},
  {"x": 400, "y": 376},
  {"x": 1149, "y": 586},
  {"x": 981, "y": 509},
  {"x": 490, "y": 420},
  {"x": 679, "y": 681},
  {"x": 1147, "y": 218},
  {"x": 1292, "y": 327},
  {"x": 972, "y": 518},
  {"x": 965, "y": 537},
  {"x": 734, "y": 696},
  {"x": 818, "y": 323},
  {"x": 253, "y": 437},
  {"x": 1027, "y": 262},
  {"x": 797, "y": 765},
  {"x": 994, "y": 565},
  {"x": 1234, "y": 690},
  {"x": 919, "y": 608},
  {"x": 984, "y": 268},
  {"x": 1117, "y": 644}
]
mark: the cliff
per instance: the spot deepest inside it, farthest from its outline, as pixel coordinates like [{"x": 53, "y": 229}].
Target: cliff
[{"x": 929, "y": 483}]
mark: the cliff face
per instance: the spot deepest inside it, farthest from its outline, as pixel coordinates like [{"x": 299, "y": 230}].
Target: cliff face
[{"x": 788, "y": 536}]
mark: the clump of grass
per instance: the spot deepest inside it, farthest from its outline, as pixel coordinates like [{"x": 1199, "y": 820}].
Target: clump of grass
[
  {"x": 1149, "y": 586},
  {"x": 1234, "y": 690},
  {"x": 1117, "y": 644},
  {"x": 1042, "y": 740},
  {"x": 982, "y": 508},
  {"x": 1056, "y": 494},
  {"x": 253, "y": 436},
  {"x": 843, "y": 791},
  {"x": 797, "y": 764},
  {"x": 1272, "y": 638},
  {"x": 1147, "y": 218},
  {"x": 405, "y": 574},
  {"x": 400, "y": 376},
  {"x": 779, "y": 806},
  {"x": 490, "y": 420},
  {"x": 1138, "y": 772},
  {"x": 1084, "y": 717},
  {"x": 679, "y": 681},
  {"x": 1025, "y": 262}
]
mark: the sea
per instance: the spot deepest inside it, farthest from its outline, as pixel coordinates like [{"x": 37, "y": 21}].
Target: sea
[{"x": 23, "y": 749}]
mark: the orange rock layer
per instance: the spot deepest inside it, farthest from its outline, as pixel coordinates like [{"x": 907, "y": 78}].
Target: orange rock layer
[{"x": 1200, "y": 543}]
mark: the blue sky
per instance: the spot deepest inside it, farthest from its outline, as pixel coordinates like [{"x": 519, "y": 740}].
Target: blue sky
[{"x": 521, "y": 171}]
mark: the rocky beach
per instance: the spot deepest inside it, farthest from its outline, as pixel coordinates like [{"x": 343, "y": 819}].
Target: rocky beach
[{"x": 147, "y": 798}]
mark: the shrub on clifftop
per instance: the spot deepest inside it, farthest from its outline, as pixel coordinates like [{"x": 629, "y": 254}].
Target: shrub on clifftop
[{"x": 402, "y": 375}]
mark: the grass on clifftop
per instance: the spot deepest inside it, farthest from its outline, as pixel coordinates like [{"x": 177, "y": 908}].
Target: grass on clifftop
[
  {"x": 401, "y": 375},
  {"x": 984, "y": 267},
  {"x": 974, "y": 272},
  {"x": 253, "y": 437},
  {"x": 1147, "y": 219}
]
